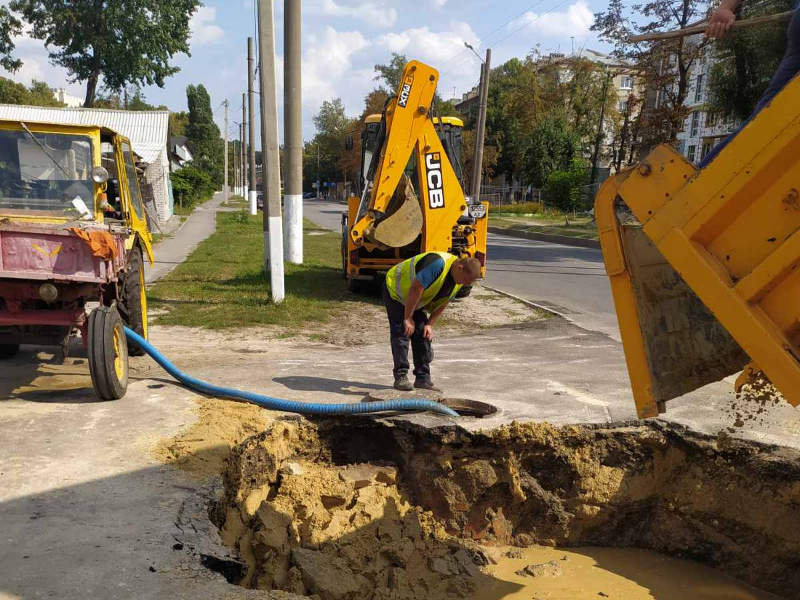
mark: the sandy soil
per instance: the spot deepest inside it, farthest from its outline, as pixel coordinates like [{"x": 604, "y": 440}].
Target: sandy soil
[{"x": 318, "y": 511}]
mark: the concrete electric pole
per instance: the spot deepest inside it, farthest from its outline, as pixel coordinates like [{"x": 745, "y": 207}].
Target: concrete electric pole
[
  {"x": 252, "y": 136},
  {"x": 244, "y": 147},
  {"x": 270, "y": 150},
  {"x": 481, "y": 133},
  {"x": 293, "y": 132},
  {"x": 225, "y": 184}
]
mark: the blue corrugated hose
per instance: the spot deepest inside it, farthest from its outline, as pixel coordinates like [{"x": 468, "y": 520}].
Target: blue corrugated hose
[{"x": 305, "y": 408}]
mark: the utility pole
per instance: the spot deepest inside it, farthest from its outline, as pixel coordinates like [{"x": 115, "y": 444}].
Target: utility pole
[
  {"x": 252, "y": 136},
  {"x": 319, "y": 182},
  {"x": 245, "y": 169},
  {"x": 235, "y": 181},
  {"x": 241, "y": 162},
  {"x": 225, "y": 184},
  {"x": 270, "y": 150},
  {"x": 481, "y": 133},
  {"x": 293, "y": 132}
]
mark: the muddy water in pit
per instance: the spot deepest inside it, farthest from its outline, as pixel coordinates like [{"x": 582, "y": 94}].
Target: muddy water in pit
[
  {"x": 356, "y": 509},
  {"x": 616, "y": 573}
]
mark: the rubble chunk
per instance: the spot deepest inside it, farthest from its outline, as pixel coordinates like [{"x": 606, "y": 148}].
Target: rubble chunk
[
  {"x": 548, "y": 569},
  {"x": 327, "y": 576}
]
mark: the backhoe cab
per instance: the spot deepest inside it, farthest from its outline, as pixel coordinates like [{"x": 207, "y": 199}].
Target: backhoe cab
[{"x": 411, "y": 199}]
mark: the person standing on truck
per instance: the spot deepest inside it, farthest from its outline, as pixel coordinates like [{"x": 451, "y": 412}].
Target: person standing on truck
[
  {"x": 415, "y": 294},
  {"x": 718, "y": 27}
]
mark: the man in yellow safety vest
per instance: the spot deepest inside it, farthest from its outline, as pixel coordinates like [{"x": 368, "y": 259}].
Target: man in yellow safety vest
[{"x": 422, "y": 284}]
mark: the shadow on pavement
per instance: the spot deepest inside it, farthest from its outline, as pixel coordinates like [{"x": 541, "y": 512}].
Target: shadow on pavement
[{"x": 324, "y": 384}]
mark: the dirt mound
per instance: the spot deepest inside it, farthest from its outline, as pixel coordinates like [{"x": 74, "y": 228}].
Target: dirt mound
[{"x": 404, "y": 512}]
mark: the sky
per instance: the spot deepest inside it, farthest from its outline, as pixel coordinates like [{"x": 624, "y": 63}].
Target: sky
[{"x": 342, "y": 41}]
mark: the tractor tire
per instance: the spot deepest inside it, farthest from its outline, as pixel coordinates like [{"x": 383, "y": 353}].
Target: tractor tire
[
  {"x": 133, "y": 301},
  {"x": 108, "y": 353},
  {"x": 8, "y": 351},
  {"x": 464, "y": 292}
]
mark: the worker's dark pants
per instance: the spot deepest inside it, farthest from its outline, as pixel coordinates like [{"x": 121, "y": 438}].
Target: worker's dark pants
[
  {"x": 787, "y": 69},
  {"x": 420, "y": 347}
]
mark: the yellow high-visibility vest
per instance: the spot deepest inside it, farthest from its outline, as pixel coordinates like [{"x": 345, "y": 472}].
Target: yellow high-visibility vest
[{"x": 401, "y": 276}]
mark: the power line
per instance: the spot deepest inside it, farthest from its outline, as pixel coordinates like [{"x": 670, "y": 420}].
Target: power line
[
  {"x": 512, "y": 19},
  {"x": 500, "y": 41}
]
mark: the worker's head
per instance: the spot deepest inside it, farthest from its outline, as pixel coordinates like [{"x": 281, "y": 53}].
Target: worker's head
[{"x": 466, "y": 270}]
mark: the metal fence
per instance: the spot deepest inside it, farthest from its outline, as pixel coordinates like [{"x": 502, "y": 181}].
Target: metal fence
[{"x": 507, "y": 195}]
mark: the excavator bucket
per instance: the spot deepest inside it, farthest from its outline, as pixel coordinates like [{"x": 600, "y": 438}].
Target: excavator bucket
[
  {"x": 708, "y": 275},
  {"x": 403, "y": 222}
]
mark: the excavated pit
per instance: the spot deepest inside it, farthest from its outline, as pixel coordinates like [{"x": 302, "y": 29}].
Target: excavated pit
[{"x": 360, "y": 509}]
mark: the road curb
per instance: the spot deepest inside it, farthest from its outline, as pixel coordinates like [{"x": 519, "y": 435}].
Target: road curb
[
  {"x": 546, "y": 237},
  {"x": 528, "y": 303}
]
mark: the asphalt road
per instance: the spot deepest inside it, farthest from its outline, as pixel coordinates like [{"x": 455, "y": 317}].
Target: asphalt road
[{"x": 567, "y": 279}]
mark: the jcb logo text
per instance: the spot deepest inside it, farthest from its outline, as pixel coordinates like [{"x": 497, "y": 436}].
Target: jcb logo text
[{"x": 433, "y": 166}]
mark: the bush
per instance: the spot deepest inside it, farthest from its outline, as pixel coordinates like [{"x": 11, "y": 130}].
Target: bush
[
  {"x": 523, "y": 208},
  {"x": 195, "y": 185},
  {"x": 563, "y": 188}
]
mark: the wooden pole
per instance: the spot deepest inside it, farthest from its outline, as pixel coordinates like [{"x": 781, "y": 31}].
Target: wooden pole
[{"x": 679, "y": 33}]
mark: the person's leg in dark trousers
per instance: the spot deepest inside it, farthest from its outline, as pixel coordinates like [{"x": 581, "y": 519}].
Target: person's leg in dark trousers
[
  {"x": 396, "y": 313},
  {"x": 421, "y": 348},
  {"x": 787, "y": 70}
]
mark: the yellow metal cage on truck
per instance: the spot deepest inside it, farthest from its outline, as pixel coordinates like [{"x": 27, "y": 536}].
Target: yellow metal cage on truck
[
  {"x": 73, "y": 238},
  {"x": 707, "y": 281}
]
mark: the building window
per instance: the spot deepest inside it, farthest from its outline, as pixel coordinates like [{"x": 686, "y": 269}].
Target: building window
[
  {"x": 698, "y": 92},
  {"x": 626, "y": 83},
  {"x": 691, "y": 153},
  {"x": 623, "y": 106},
  {"x": 695, "y": 123},
  {"x": 707, "y": 145},
  {"x": 711, "y": 119}
]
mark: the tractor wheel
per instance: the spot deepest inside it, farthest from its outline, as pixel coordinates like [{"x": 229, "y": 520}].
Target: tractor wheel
[
  {"x": 108, "y": 353},
  {"x": 133, "y": 304},
  {"x": 8, "y": 351}
]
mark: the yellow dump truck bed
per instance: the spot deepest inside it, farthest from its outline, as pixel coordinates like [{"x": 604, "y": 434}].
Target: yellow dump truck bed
[{"x": 709, "y": 274}]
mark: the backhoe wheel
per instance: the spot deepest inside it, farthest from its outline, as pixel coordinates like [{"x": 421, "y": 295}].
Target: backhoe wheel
[
  {"x": 108, "y": 353},
  {"x": 8, "y": 351},
  {"x": 133, "y": 304}
]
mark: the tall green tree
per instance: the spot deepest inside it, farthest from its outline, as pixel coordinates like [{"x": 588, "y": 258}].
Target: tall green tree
[
  {"x": 204, "y": 133},
  {"x": 551, "y": 146},
  {"x": 391, "y": 73},
  {"x": 38, "y": 94},
  {"x": 665, "y": 65},
  {"x": 178, "y": 122},
  {"x": 124, "y": 41}
]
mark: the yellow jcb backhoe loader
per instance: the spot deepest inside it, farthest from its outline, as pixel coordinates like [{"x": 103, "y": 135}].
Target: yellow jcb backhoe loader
[
  {"x": 411, "y": 197},
  {"x": 707, "y": 283}
]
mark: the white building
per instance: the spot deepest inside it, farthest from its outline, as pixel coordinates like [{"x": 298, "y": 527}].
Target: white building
[
  {"x": 61, "y": 95},
  {"x": 148, "y": 132},
  {"x": 702, "y": 129}
]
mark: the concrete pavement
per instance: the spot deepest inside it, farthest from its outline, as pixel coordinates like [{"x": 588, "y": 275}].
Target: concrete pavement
[{"x": 173, "y": 250}]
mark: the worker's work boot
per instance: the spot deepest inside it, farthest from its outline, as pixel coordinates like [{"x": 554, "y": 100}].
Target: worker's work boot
[
  {"x": 423, "y": 384},
  {"x": 403, "y": 384}
]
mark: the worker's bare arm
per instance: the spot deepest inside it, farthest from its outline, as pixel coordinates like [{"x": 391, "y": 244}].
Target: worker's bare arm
[
  {"x": 722, "y": 20},
  {"x": 414, "y": 295},
  {"x": 427, "y": 332}
]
